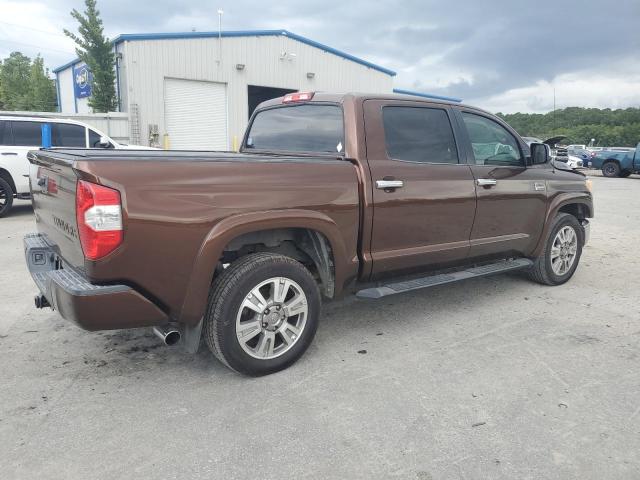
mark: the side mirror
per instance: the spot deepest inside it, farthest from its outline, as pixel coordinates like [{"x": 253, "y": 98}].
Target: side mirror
[
  {"x": 540, "y": 153},
  {"x": 104, "y": 142}
]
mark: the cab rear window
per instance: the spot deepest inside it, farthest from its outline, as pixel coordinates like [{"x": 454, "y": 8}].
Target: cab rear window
[{"x": 298, "y": 128}]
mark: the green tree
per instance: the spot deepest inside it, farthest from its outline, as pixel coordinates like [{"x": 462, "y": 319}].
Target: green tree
[
  {"x": 608, "y": 127},
  {"x": 42, "y": 89},
  {"x": 94, "y": 49},
  {"x": 14, "y": 78}
]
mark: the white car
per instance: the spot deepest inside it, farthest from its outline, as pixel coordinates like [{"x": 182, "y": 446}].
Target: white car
[
  {"x": 575, "y": 162},
  {"x": 19, "y": 134}
]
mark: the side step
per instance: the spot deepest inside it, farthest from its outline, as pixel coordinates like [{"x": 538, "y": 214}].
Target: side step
[{"x": 442, "y": 278}]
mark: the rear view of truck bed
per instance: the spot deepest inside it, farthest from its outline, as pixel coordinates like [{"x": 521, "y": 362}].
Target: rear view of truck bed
[{"x": 156, "y": 223}]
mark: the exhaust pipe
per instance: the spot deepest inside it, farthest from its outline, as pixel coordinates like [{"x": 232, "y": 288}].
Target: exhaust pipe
[
  {"x": 169, "y": 335},
  {"x": 41, "y": 301}
]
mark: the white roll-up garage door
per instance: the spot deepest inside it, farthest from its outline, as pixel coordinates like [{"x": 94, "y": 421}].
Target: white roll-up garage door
[{"x": 195, "y": 114}]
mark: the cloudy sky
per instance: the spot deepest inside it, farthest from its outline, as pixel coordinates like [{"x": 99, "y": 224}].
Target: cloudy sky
[{"x": 500, "y": 55}]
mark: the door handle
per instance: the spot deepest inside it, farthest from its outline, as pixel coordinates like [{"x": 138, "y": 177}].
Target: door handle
[
  {"x": 389, "y": 184},
  {"x": 9, "y": 153},
  {"x": 486, "y": 182}
]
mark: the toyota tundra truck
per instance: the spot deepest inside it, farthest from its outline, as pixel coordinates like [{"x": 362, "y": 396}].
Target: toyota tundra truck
[{"x": 329, "y": 195}]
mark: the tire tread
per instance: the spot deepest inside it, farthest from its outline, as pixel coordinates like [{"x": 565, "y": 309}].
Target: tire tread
[
  {"x": 224, "y": 286},
  {"x": 538, "y": 271},
  {"x": 7, "y": 187}
]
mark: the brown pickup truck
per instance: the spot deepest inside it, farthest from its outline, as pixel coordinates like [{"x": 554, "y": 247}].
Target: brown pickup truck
[{"x": 373, "y": 194}]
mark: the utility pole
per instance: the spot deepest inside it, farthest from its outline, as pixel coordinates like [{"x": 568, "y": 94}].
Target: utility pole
[
  {"x": 554, "y": 110},
  {"x": 220, "y": 13}
]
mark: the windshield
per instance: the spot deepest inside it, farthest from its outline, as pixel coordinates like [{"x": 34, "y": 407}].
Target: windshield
[{"x": 298, "y": 128}]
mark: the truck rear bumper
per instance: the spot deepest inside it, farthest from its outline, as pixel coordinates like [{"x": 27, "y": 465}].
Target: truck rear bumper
[{"x": 92, "y": 307}]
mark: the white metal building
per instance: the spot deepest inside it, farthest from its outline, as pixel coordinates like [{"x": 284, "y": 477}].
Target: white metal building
[{"x": 196, "y": 90}]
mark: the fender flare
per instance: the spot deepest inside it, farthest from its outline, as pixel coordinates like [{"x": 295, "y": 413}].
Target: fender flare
[
  {"x": 561, "y": 200},
  {"x": 195, "y": 301}
]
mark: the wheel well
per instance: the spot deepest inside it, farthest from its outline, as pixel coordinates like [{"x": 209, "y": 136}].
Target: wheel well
[
  {"x": 578, "y": 210},
  {"x": 7, "y": 177},
  {"x": 309, "y": 247},
  {"x": 611, "y": 160}
]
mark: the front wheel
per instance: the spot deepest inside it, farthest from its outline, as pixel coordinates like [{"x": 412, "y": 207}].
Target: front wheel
[
  {"x": 561, "y": 253},
  {"x": 611, "y": 169},
  {"x": 263, "y": 313},
  {"x": 6, "y": 197}
]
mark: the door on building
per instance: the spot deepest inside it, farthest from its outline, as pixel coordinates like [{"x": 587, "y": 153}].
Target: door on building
[
  {"x": 195, "y": 114},
  {"x": 257, "y": 94}
]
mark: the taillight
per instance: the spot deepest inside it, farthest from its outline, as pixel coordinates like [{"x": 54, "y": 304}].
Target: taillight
[
  {"x": 297, "y": 97},
  {"x": 99, "y": 217}
]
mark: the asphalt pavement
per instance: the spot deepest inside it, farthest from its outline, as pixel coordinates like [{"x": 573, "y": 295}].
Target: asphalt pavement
[{"x": 495, "y": 378}]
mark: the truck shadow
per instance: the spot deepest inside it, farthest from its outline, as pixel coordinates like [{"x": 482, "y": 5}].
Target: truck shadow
[
  {"x": 20, "y": 209},
  {"x": 345, "y": 325}
]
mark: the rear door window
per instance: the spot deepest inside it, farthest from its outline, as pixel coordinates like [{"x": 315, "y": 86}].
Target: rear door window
[
  {"x": 5, "y": 133},
  {"x": 68, "y": 135},
  {"x": 419, "y": 134},
  {"x": 26, "y": 134},
  {"x": 299, "y": 128}
]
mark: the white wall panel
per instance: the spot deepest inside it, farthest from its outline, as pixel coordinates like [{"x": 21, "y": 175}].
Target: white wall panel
[{"x": 147, "y": 63}]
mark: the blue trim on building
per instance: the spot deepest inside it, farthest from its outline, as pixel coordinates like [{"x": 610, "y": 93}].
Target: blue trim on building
[
  {"x": 426, "y": 95},
  {"x": 115, "y": 49},
  {"x": 66, "y": 65},
  {"x": 75, "y": 98},
  {"x": 239, "y": 33},
  {"x": 58, "y": 98}
]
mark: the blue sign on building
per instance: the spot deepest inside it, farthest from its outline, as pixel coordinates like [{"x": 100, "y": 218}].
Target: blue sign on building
[{"x": 82, "y": 79}]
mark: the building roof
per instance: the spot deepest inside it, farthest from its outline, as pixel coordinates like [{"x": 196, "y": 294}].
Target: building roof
[
  {"x": 426, "y": 95},
  {"x": 238, "y": 33}
]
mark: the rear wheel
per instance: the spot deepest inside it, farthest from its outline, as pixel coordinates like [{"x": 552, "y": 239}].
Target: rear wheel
[
  {"x": 6, "y": 197},
  {"x": 561, "y": 253},
  {"x": 263, "y": 313},
  {"x": 611, "y": 169}
]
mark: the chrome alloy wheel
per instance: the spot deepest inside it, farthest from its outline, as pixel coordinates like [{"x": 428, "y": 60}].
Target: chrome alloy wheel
[
  {"x": 271, "y": 318},
  {"x": 563, "y": 250}
]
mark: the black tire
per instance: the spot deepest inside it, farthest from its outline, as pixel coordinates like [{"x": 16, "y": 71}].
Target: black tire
[
  {"x": 227, "y": 294},
  {"x": 611, "y": 169},
  {"x": 542, "y": 271},
  {"x": 6, "y": 197},
  {"x": 625, "y": 173}
]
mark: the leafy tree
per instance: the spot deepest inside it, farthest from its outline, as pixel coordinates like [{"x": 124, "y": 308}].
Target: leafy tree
[
  {"x": 25, "y": 85},
  {"x": 608, "y": 127},
  {"x": 14, "y": 77},
  {"x": 94, "y": 49},
  {"x": 42, "y": 89}
]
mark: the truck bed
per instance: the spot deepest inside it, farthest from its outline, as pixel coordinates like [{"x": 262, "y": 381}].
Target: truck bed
[{"x": 174, "y": 203}]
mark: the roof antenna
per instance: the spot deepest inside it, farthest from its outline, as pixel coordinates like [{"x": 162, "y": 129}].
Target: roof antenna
[{"x": 220, "y": 13}]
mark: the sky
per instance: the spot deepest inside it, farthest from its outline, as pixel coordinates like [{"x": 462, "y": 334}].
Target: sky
[{"x": 504, "y": 56}]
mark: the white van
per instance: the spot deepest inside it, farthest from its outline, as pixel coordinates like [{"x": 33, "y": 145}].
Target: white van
[{"x": 19, "y": 134}]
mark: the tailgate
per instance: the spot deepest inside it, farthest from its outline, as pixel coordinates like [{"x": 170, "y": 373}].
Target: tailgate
[{"x": 53, "y": 187}]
